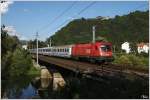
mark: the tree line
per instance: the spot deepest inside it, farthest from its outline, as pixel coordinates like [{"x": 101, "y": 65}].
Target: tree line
[{"x": 133, "y": 28}]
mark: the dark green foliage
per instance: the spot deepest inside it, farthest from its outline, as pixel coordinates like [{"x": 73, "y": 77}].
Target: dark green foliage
[
  {"x": 21, "y": 63},
  {"x": 15, "y": 61},
  {"x": 133, "y": 28},
  {"x": 9, "y": 43}
]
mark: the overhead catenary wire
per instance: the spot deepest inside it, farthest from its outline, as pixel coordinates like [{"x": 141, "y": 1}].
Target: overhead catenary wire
[
  {"x": 141, "y": 6},
  {"x": 136, "y": 8},
  {"x": 81, "y": 11},
  {"x": 60, "y": 15}
]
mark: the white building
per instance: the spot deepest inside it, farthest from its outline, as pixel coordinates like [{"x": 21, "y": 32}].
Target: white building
[
  {"x": 103, "y": 18},
  {"x": 125, "y": 46},
  {"x": 143, "y": 47},
  {"x": 24, "y": 46}
]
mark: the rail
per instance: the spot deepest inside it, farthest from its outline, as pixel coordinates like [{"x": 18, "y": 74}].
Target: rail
[{"x": 89, "y": 68}]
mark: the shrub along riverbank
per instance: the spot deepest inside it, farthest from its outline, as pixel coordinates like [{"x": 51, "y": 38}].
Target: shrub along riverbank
[
  {"x": 16, "y": 61},
  {"x": 132, "y": 61},
  {"x": 16, "y": 66}
]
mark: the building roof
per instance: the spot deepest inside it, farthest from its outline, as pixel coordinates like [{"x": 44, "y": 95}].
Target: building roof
[{"x": 142, "y": 44}]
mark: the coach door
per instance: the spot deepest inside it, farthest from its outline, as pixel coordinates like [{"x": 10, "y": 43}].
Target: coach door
[{"x": 70, "y": 51}]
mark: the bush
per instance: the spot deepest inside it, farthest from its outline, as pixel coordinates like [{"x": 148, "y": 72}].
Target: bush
[
  {"x": 135, "y": 60},
  {"x": 123, "y": 60},
  {"x": 132, "y": 60},
  {"x": 21, "y": 63}
]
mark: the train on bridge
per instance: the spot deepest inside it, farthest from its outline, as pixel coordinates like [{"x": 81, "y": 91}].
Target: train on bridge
[{"x": 94, "y": 52}]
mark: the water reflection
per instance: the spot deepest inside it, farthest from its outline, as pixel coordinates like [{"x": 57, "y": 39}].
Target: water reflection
[
  {"x": 76, "y": 88},
  {"x": 17, "y": 87},
  {"x": 28, "y": 92},
  {"x": 83, "y": 88}
]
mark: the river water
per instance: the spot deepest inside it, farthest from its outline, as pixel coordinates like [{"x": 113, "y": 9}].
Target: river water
[{"x": 77, "y": 87}]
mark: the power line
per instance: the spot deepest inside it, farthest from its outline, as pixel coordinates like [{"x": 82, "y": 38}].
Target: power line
[
  {"x": 86, "y": 7},
  {"x": 141, "y": 6},
  {"x": 136, "y": 8},
  {"x": 77, "y": 14},
  {"x": 37, "y": 48},
  {"x": 60, "y": 15}
]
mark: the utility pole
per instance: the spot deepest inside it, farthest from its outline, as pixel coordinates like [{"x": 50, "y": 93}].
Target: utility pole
[
  {"x": 37, "y": 48},
  {"x": 50, "y": 42},
  {"x": 93, "y": 34},
  {"x": 114, "y": 49}
]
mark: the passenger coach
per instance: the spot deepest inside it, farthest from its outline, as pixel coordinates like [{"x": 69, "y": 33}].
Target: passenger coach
[{"x": 97, "y": 52}]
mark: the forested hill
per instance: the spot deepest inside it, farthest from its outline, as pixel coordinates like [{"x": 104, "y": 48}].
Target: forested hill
[{"x": 133, "y": 28}]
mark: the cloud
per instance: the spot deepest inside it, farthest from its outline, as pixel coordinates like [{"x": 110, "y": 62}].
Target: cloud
[
  {"x": 11, "y": 30},
  {"x": 4, "y": 6}
]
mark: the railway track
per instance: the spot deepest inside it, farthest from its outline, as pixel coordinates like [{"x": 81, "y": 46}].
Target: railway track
[{"x": 89, "y": 68}]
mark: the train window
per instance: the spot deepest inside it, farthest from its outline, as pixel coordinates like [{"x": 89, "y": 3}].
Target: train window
[
  {"x": 105, "y": 48},
  {"x": 67, "y": 49}
]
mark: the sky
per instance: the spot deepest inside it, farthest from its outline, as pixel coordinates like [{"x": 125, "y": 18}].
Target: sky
[{"x": 25, "y": 18}]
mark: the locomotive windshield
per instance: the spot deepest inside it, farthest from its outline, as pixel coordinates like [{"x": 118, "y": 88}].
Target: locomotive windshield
[{"x": 105, "y": 48}]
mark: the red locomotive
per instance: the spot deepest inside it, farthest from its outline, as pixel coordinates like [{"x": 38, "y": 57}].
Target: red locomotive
[{"x": 95, "y": 52}]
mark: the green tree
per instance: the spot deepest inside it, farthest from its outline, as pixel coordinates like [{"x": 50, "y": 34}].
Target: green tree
[{"x": 20, "y": 64}]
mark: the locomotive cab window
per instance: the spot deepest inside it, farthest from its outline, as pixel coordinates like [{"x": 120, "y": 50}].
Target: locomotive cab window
[{"x": 105, "y": 48}]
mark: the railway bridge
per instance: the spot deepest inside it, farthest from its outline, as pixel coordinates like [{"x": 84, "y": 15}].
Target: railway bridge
[{"x": 89, "y": 69}]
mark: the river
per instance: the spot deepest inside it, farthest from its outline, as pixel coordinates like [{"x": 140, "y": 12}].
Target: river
[{"x": 77, "y": 87}]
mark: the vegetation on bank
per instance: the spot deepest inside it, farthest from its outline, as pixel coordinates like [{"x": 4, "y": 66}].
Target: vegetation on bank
[
  {"x": 34, "y": 71},
  {"x": 132, "y": 61},
  {"x": 15, "y": 61}
]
